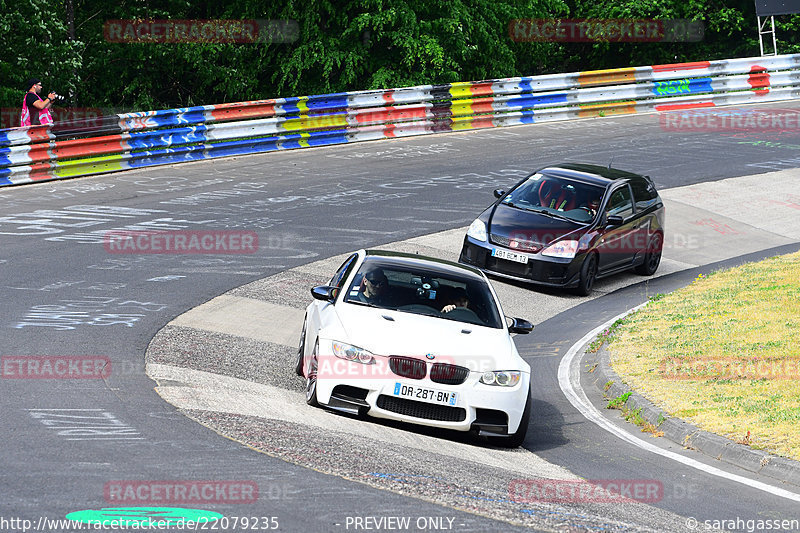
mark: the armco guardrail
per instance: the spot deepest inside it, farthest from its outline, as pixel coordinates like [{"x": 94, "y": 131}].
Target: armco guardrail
[{"x": 136, "y": 140}]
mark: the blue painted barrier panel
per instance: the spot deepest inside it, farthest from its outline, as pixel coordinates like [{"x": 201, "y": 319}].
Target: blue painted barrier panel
[{"x": 531, "y": 100}]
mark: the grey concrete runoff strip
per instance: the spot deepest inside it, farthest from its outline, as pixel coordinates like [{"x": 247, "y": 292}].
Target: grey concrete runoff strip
[
  {"x": 706, "y": 223},
  {"x": 611, "y": 385}
]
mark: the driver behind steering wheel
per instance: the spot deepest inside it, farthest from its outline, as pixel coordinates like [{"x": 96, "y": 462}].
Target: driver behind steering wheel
[{"x": 458, "y": 298}]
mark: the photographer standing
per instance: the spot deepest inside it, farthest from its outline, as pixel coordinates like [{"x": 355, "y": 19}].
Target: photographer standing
[{"x": 36, "y": 111}]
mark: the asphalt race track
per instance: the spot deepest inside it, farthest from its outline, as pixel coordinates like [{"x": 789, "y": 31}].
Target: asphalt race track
[{"x": 66, "y": 441}]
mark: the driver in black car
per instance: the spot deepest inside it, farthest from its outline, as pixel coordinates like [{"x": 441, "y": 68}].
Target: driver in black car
[{"x": 592, "y": 203}]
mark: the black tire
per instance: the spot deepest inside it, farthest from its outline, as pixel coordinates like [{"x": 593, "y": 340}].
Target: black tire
[
  {"x": 311, "y": 378},
  {"x": 298, "y": 368},
  {"x": 588, "y": 275},
  {"x": 653, "y": 257},
  {"x": 516, "y": 439}
]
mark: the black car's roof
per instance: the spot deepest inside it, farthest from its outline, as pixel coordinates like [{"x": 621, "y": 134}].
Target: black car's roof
[
  {"x": 402, "y": 258},
  {"x": 594, "y": 174}
]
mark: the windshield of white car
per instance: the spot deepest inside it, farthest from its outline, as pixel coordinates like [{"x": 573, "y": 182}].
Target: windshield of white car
[
  {"x": 558, "y": 197},
  {"x": 423, "y": 291}
]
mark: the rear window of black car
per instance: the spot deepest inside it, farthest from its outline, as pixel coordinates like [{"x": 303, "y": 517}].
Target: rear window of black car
[{"x": 644, "y": 192}]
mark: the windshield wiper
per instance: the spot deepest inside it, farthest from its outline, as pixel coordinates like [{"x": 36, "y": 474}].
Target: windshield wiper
[
  {"x": 550, "y": 214},
  {"x": 365, "y": 304},
  {"x": 426, "y": 314}
]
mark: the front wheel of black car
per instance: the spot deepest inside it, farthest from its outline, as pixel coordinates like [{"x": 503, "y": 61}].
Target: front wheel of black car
[
  {"x": 653, "y": 257},
  {"x": 588, "y": 274}
]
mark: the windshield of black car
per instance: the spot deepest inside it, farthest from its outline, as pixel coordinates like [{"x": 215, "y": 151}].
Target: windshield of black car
[
  {"x": 424, "y": 291},
  {"x": 556, "y": 196}
]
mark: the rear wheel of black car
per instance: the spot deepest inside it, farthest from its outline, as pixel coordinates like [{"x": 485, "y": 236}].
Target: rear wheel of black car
[
  {"x": 653, "y": 257},
  {"x": 518, "y": 437},
  {"x": 588, "y": 274}
]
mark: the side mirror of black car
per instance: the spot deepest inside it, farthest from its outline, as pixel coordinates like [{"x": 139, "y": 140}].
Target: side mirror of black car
[
  {"x": 498, "y": 193},
  {"x": 325, "y": 293},
  {"x": 615, "y": 220},
  {"x": 520, "y": 325}
]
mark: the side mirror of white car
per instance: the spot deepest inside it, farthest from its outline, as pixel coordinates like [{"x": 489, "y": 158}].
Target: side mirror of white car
[
  {"x": 520, "y": 325},
  {"x": 325, "y": 293}
]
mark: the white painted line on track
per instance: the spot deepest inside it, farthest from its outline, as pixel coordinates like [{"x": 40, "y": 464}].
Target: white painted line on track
[{"x": 569, "y": 381}]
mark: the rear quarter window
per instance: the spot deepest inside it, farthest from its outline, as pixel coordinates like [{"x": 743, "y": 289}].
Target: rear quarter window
[{"x": 644, "y": 193}]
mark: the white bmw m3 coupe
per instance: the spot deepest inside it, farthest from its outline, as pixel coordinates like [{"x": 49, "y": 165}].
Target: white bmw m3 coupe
[{"x": 416, "y": 339}]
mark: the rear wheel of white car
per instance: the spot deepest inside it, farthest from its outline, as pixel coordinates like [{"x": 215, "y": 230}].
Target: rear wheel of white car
[
  {"x": 298, "y": 368},
  {"x": 517, "y": 438},
  {"x": 311, "y": 378}
]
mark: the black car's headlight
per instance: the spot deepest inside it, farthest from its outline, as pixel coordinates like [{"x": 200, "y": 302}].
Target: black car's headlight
[
  {"x": 352, "y": 353},
  {"x": 501, "y": 378},
  {"x": 477, "y": 230},
  {"x": 562, "y": 249}
]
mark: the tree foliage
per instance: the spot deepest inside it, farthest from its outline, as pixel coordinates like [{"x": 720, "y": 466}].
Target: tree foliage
[
  {"x": 341, "y": 45},
  {"x": 33, "y": 43}
]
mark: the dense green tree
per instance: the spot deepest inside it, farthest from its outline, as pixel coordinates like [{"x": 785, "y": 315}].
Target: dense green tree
[
  {"x": 371, "y": 44},
  {"x": 34, "y": 43},
  {"x": 338, "y": 45},
  {"x": 730, "y": 30}
]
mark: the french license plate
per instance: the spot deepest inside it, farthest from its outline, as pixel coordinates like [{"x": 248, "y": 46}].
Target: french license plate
[
  {"x": 424, "y": 394},
  {"x": 511, "y": 256}
]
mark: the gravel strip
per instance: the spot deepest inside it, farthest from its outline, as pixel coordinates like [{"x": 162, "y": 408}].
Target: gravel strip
[
  {"x": 440, "y": 479},
  {"x": 218, "y": 353}
]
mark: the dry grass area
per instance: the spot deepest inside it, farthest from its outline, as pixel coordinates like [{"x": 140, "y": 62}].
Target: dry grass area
[{"x": 723, "y": 353}]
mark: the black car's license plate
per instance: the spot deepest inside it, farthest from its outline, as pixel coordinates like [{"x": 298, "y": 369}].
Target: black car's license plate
[{"x": 510, "y": 256}]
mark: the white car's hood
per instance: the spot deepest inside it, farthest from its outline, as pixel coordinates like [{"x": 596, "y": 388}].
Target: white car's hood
[{"x": 417, "y": 336}]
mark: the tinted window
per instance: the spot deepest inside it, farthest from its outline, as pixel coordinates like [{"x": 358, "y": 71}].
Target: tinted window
[
  {"x": 560, "y": 196},
  {"x": 644, "y": 192},
  {"x": 620, "y": 203},
  {"x": 338, "y": 279},
  {"x": 424, "y": 291}
]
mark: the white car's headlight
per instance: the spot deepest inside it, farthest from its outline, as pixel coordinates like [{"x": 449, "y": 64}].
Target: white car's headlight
[
  {"x": 502, "y": 378},
  {"x": 352, "y": 353},
  {"x": 477, "y": 230},
  {"x": 562, "y": 249}
]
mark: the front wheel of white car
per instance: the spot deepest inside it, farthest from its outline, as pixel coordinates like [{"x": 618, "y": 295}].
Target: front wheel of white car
[
  {"x": 311, "y": 378},
  {"x": 517, "y": 438},
  {"x": 298, "y": 367}
]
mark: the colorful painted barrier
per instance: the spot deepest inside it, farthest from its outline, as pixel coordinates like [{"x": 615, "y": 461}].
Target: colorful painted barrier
[{"x": 136, "y": 140}]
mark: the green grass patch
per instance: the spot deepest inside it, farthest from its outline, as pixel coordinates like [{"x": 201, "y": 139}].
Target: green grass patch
[
  {"x": 619, "y": 401},
  {"x": 723, "y": 353},
  {"x": 607, "y": 335}
]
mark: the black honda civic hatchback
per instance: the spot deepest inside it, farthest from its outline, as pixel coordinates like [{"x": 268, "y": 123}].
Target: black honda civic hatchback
[{"x": 567, "y": 225}]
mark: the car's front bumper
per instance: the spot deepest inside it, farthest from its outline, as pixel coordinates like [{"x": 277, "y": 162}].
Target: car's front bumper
[
  {"x": 539, "y": 269},
  {"x": 490, "y": 409}
]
